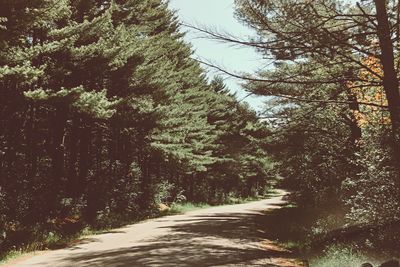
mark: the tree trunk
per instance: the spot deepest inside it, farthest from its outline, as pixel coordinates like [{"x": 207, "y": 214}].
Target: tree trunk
[
  {"x": 390, "y": 80},
  {"x": 145, "y": 198},
  {"x": 84, "y": 163},
  {"x": 355, "y": 130},
  {"x": 32, "y": 145},
  {"x": 58, "y": 123},
  {"x": 73, "y": 182},
  {"x": 84, "y": 157}
]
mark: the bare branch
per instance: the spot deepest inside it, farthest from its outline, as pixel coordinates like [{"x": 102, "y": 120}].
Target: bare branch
[{"x": 286, "y": 80}]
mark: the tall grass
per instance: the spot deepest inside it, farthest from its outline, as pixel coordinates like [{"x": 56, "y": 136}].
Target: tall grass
[{"x": 341, "y": 256}]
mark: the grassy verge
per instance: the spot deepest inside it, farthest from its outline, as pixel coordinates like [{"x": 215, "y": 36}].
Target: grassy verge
[
  {"x": 179, "y": 208},
  {"x": 12, "y": 255},
  {"x": 339, "y": 256},
  {"x": 51, "y": 241}
]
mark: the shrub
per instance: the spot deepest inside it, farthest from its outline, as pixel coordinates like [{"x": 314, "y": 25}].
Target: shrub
[{"x": 372, "y": 197}]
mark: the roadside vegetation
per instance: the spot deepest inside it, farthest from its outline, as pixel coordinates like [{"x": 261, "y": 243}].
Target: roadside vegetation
[
  {"x": 334, "y": 112},
  {"x": 337, "y": 121}
]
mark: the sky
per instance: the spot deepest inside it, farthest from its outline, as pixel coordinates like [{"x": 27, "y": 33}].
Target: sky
[{"x": 219, "y": 15}]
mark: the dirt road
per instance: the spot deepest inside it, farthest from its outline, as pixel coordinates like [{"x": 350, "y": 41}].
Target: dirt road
[{"x": 217, "y": 236}]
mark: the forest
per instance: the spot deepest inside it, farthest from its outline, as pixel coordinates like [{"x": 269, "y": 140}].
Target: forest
[{"x": 105, "y": 115}]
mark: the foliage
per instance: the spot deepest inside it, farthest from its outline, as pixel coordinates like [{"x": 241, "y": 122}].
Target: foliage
[
  {"x": 334, "y": 103},
  {"x": 163, "y": 192},
  {"x": 372, "y": 197},
  {"x": 104, "y": 114}
]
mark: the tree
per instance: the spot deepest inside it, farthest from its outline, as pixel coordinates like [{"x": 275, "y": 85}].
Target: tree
[{"x": 336, "y": 35}]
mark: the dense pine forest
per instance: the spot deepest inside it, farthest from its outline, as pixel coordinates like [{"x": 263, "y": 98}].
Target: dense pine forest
[{"x": 106, "y": 117}]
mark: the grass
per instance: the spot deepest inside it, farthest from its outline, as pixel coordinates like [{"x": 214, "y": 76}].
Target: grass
[
  {"x": 341, "y": 256},
  {"x": 290, "y": 227},
  {"x": 51, "y": 241},
  {"x": 13, "y": 254},
  {"x": 178, "y": 208}
]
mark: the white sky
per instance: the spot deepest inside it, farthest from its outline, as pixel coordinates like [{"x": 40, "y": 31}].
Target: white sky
[{"x": 219, "y": 14}]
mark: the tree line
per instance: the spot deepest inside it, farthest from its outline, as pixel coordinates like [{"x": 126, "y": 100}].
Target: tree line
[{"x": 104, "y": 115}]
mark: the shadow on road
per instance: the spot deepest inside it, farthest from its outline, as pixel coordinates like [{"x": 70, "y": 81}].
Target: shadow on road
[{"x": 229, "y": 239}]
